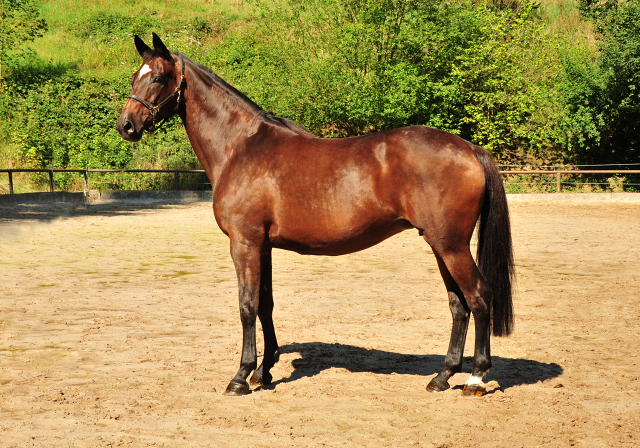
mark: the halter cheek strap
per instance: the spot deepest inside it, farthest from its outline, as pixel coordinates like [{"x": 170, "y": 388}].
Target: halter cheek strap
[{"x": 154, "y": 109}]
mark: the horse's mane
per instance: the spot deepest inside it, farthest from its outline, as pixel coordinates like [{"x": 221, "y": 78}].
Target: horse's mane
[
  {"x": 264, "y": 114},
  {"x": 295, "y": 127}
]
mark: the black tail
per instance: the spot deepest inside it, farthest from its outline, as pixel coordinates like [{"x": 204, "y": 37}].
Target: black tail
[{"x": 495, "y": 254}]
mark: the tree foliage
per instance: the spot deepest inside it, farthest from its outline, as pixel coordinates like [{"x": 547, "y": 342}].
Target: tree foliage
[
  {"x": 492, "y": 71},
  {"x": 346, "y": 67},
  {"x": 20, "y": 22},
  {"x": 609, "y": 94}
]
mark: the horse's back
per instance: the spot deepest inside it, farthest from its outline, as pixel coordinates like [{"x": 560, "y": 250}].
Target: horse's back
[{"x": 333, "y": 196}]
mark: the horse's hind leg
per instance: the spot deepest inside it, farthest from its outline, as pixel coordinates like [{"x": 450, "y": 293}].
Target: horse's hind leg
[
  {"x": 265, "y": 313},
  {"x": 466, "y": 275},
  {"x": 460, "y": 313}
]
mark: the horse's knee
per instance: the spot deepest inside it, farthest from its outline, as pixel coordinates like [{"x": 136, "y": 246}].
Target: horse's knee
[
  {"x": 248, "y": 313},
  {"x": 458, "y": 310}
]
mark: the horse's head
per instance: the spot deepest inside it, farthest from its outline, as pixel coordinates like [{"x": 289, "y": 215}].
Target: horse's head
[{"x": 156, "y": 90}]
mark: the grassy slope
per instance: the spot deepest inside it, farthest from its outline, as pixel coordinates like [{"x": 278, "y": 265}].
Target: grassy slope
[
  {"x": 69, "y": 41},
  {"x": 64, "y": 43}
]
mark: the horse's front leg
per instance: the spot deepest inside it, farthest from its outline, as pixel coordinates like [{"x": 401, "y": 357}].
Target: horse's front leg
[
  {"x": 265, "y": 312},
  {"x": 247, "y": 260}
]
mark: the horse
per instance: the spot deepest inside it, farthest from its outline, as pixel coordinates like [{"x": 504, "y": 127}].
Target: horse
[{"x": 276, "y": 185}]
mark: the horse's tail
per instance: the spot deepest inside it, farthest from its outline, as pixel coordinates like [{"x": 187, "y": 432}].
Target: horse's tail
[{"x": 495, "y": 254}]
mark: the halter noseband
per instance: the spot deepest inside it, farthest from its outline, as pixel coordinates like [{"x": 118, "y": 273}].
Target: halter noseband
[{"x": 154, "y": 109}]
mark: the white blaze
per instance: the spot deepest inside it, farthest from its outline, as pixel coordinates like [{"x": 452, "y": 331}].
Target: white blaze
[{"x": 144, "y": 70}]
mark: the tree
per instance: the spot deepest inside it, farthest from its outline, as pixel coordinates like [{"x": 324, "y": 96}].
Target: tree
[
  {"x": 621, "y": 62},
  {"x": 504, "y": 85},
  {"x": 20, "y": 22},
  {"x": 349, "y": 67},
  {"x": 615, "y": 99}
]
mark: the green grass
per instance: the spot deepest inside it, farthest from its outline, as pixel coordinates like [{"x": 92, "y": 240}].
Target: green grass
[
  {"x": 94, "y": 39},
  {"x": 91, "y": 35}
]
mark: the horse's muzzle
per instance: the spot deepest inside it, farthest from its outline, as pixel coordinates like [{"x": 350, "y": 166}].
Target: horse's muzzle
[{"x": 127, "y": 129}]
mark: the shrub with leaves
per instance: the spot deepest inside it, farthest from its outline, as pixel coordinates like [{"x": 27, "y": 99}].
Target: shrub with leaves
[
  {"x": 20, "y": 22},
  {"x": 608, "y": 92},
  {"x": 347, "y": 67}
]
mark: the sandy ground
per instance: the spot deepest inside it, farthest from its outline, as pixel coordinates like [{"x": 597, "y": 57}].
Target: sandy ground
[{"x": 119, "y": 327}]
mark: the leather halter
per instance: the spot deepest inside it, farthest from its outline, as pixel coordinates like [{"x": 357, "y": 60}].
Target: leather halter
[{"x": 154, "y": 109}]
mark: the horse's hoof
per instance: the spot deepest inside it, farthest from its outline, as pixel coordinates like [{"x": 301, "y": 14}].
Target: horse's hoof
[
  {"x": 258, "y": 379},
  {"x": 474, "y": 390},
  {"x": 236, "y": 389},
  {"x": 437, "y": 386}
]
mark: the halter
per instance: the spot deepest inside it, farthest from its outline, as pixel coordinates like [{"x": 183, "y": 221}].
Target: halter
[{"x": 154, "y": 109}]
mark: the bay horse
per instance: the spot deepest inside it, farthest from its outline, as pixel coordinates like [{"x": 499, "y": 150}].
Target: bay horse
[{"x": 275, "y": 185}]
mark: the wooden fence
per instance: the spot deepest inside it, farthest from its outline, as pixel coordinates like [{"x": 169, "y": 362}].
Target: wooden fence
[
  {"x": 176, "y": 185},
  {"x": 558, "y": 173}
]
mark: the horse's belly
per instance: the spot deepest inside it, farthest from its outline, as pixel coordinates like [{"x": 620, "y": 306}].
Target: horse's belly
[{"x": 314, "y": 239}]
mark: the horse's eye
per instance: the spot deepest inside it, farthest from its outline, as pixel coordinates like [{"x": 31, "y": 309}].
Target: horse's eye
[{"x": 158, "y": 79}]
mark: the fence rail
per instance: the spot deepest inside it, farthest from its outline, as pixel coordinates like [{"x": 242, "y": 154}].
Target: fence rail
[
  {"x": 176, "y": 185},
  {"x": 557, "y": 173}
]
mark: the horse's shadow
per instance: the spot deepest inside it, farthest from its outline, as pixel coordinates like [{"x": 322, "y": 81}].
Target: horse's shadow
[{"x": 319, "y": 356}]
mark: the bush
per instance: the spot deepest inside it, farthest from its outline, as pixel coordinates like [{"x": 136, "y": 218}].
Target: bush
[
  {"x": 608, "y": 94},
  {"x": 348, "y": 67},
  {"x": 493, "y": 72},
  {"x": 103, "y": 25},
  {"x": 68, "y": 121}
]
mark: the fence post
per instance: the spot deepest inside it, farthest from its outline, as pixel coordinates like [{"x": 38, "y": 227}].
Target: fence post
[
  {"x": 10, "y": 182},
  {"x": 51, "y": 181},
  {"x": 86, "y": 182},
  {"x": 176, "y": 184},
  {"x": 558, "y": 183}
]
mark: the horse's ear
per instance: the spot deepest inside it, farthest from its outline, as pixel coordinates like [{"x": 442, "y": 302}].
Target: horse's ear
[
  {"x": 141, "y": 46},
  {"x": 161, "y": 48}
]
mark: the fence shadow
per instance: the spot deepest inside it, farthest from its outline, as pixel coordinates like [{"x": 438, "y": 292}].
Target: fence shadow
[
  {"x": 45, "y": 212},
  {"x": 319, "y": 356}
]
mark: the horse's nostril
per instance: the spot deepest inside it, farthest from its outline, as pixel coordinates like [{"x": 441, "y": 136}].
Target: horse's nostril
[{"x": 128, "y": 128}]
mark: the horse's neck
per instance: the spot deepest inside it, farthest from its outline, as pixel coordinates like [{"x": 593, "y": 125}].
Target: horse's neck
[{"x": 217, "y": 122}]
